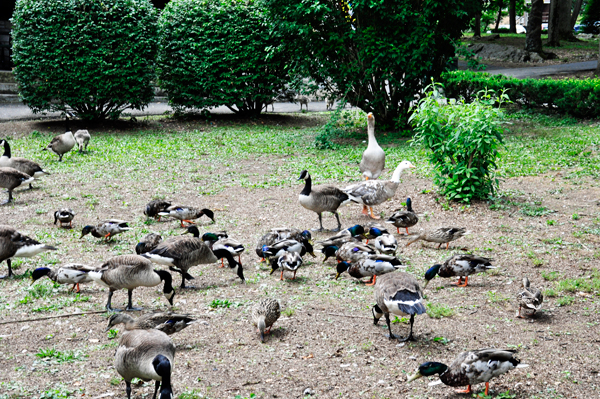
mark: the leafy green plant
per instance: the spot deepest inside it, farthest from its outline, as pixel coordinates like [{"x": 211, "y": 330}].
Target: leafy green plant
[
  {"x": 441, "y": 340},
  {"x": 565, "y": 300},
  {"x": 550, "y": 276},
  {"x": 496, "y": 297},
  {"x": 438, "y": 310},
  {"x": 288, "y": 312},
  {"x": 550, "y": 222},
  {"x": 220, "y": 303},
  {"x": 61, "y": 357},
  {"x": 112, "y": 333},
  {"x": 463, "y": 141}
]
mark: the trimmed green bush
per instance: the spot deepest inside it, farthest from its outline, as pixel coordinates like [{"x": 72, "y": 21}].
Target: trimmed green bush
[
  {"x": 579, "y": 98},
  {"x": 215, "y": 53},
  {"x": 95, "y": 57}
]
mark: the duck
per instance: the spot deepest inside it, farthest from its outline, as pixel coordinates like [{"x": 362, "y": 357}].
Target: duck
[
  {"x": 400, "y": 294},
  {"x": 290, "y": 261},
  {"x": 376, "y": 192},
  {"x": 284, "y": 246},
  {"x": 279, "y": 234},
  {"x": 82, "y": 137},
  {"x": 443, "y": 235},
  {"x": 352, "y": 252},
  {"x": 155, "y": 207},
  {"x": 148, "y": 243},
  {"x": 461, "y": 265},
  {"x": 10, "y": 178},
  {"x": 530, "y": 298},
  {"x": 264, "y": 314},
  {"x": 210, "y": 238},
  {"x": 71, "y": 273},
  {"x": 405, "y": 219},
  {"x": 106, "y": 229},
  {"x": 129, "y": 272},
  {"x": 64, "y": 215},
  {"x": 373, "y": 158},
  {"x": 352, "y": 234},
  {"x": 182, "y": 253},
  {"x": 24, "y": 165},
  {"x": 229, "y": 244},
  {"x": 187, "y": 213},
  {"x": 471, "y": 367},
  {"x": 370, "y": 266},
  {"x": 167, "y": 322},
  {"x": 62, "y": 143},
  {"x": 386, "y": 244},
  {"x": 147, "y": 355},
  {"x": 16, "y": 245},
  {"x": 329, "y": 251},
  {"x": 321, "y": 199}
]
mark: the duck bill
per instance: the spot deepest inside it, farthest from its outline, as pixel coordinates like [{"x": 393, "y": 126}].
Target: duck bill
[
  {"x": 337, "y": 275},
  {"x": 414, "y": 377},
  {"x": 262, "y": 337},
  {"x": 426, "y": 282}
]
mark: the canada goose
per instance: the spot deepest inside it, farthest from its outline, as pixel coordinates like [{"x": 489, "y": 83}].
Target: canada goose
[
  {"x": 353, "y": 251},
  {"x": 375, "y": 192},
  {"x": 470, "y": 368},
  {"x": 147, "y": 355},
  {"x": 167, "y": 322},
  {"x": 148, "y": 243},
  {"x": 16, "y": 245},
  {"x": 10, "y": 178},
  {"x": 404, "y": 219},
  {"x": 303, "y": 100},
  {"x": 370, "y": 266},
  {"x": 154, "y": 207},
  {"x": 82, "y": 137},
  {"x": 461, "y": 265},
  {"x": 321, "y": 199},
  {"x": 63, "y": 143},
  {"x": 443, "y": 235},
  {"x": 530, "y": 298},
  {"x": 264, "y": 314},
  {"x": 229, "y": 244},
  {"x": 21, "y": 164},
  {"x": 398, "y": 293},
  {"x": 64, "y": 215},
  {"x": 373, "y": 158},
  {"x": 129, "y": 272},
  {"x": 278, "y": 234},
  {"x": 72, "y": 273},
  {"x": 106, "y": 229},
  {"x": 187, "y": 213},
  {"x": 290, "y": 261}
]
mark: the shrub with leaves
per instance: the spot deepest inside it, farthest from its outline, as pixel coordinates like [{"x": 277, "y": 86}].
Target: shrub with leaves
[
  {"x": 94, "y": 57},
  {"x": 463, "y": 139}
]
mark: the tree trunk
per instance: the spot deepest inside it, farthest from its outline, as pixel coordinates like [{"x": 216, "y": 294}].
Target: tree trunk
[
  {"x": 553, "y": 24},
  {"x": 575, "y": 15},
  {"x": 512, "y": 15},
  {"x": 533, "y": 39},
  {"x": 499, "y": 17},
  {"x": 598, "y": 66},
  {"x": 477, "y": 27},
  {"x": 564, "y": 21}
]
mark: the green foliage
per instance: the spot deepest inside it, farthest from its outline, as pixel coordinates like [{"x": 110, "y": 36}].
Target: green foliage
[
  {"x": 60, "y": 357},
  {"x": 565, "y": 300},
  {"x": 94, "y": 57},
  {"x": 215, "y": 53},
  {"x": 590, "y": 14},
  {"x": 112, "y": 333},
  {"x": 219, "y": 303},
  {"x": 463, "y": 139},
  {"x": 438, "y": 310},
  {"x": 578, "y": 98}
]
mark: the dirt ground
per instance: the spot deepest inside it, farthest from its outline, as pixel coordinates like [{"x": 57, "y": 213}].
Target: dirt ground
[{"x": 326, "y": 343}]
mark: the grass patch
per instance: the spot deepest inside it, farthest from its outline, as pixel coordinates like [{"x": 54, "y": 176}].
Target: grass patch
[
  {"x": 289, "y": 312},
  {"x": 549, "y": 276},
  {"x": 438, "y": 310},
  {"x": 565, "y": 300},
  {"x": 496, "y": 297},
  {"x": 60, "y": 357},
  {"x": 220, "y": 303}
]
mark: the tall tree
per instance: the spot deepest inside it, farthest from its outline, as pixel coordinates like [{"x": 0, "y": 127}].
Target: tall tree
[
  {"x": 512, "y": 15},
  {"x": 576, "y": 11},
  {"x": 533, "y": 39},
  {"x": 553, "y": 24},
  {"x": 499, "y": 17},
  {"x": 564, "y": 21},
  {"x": 477, "y": 25}
]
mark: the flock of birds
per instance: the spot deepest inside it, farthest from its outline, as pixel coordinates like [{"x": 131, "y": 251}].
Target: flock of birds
[{"x": 145, "y": 351}]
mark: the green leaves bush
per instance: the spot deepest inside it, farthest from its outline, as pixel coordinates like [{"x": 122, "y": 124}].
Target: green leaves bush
[
  {"x": 215, "y": 53},
  {"x": 95, "y": 57},
  {"x": 578, "y": 98},
  {"x": 463, "y": 139}
]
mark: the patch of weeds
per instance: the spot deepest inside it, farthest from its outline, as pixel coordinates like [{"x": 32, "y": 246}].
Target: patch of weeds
[
  {"x": 550, "y": 222},
  {"x": 550, "y": 293},
  {"x": 565, "y": 300},
  {"x": 220, "y": 303},
  {"x": 496, "y": 297},
  {"x": 57, "y": 393},
  {"x": 252, "y": 396},
  {"x": 61, "y": 357},
  {"x": 537, "y": 262},
  {"x": 41, "y": 290},
  {"x": 438, "y": 310},
  {"x": 112, "y": 333},
  {"x": 65, "y": 302},
  {"x": 403, "y": 320},
  {"x": 289, "y": 312},
  {"x": 590, "y": 284},
  {"x": 367, "y": 346},
  {"x": 550, "y": 276},
  {"x": 575, "y": 216},
  {"x": 441, "y": 340},
  {"x": 192, "y": 394}
]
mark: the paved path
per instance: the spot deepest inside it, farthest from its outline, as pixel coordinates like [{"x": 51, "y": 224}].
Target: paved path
[{"x": 545, "y": 70}]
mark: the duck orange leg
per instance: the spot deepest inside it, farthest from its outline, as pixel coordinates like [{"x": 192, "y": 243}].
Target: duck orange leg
[
  {"x": 365, "y": 210},
  {"x": 78, "y": 289},
  {"x": 459, "y": 281},
  {"x": 222, "y": 264},
  {"x": 293, "y": 278},
  {"x": 447, "y": 245},
  {"x": 487, "y": 388},
  {"x": 281, "y": 278},
  {"x": 465, "y": 284},
  {"x": 406, "y": 230},
  {"x": 398, "y": 230},
  {"x": 373, "y": 280},
  {"x": 468, "y": 390},
  {"x": 373, "y": 216}
]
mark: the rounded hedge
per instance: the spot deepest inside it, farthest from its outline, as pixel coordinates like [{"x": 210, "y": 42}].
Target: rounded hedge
[
  {"x": 95, "y": 57},
  {"x": 215, "y": 53}
]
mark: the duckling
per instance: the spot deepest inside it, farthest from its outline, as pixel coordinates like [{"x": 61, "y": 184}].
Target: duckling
[
  {"x": 290, "y": 261},
  {"x": 321, "y": 199},
  {"x": 129, "y": 272},
  {"x": 229, "y": 244},
  {"x": 147, "y": 355},
  {"x": 21, "y": 164},
  {"x": 155, "y": 207},
  {"x": 148, "y": 243},
  {"x": 63, "y": 143},
  {"x": 370, "y": 266},
  {"x": 64, "y": 215},
  {"x": 443, "y": 235},
  {"x": 16, "y": 245},
  {"x": 187, "y": 213},
  {"x": 459, "y": 265},
  {"x": 106, "y": 229},
  {"x": 530, "y": 298},
  {"x": 404, "y": 219},
  {"x": 352, "y": 252},
  {"x": 72, "y": 273},
  {"x": 264, "y": 314},
  {"x": 398, "y": 293},
  {"x": 375, "y": 192},
  {"x": 82, "y": 137},
  {"x": 470, "y": 368},
  {"x": 10, "y": 178},
  {"x": 167, "y": 322}
]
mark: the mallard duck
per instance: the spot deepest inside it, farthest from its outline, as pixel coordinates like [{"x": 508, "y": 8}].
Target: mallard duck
[
  {"x": 167, "y": 322},
  {"x": 404, "y": 219},
  {"x": 352, "y": 234},
  {"x": 155, "y": 207},
  {"x": 72, "y": 273},
  {"x": 187, "y": 213},
  {"x": 329, "y": 251},
  {"x": 82, "y": 137},
  {"x": 370, "y": 266},
  {"x": 182, "y": 253},
  {"x": 106, "y": 229},
  {"x": 210, "y": 238},
  {"x": 373, "y": 158},
  {"x": 530, "y": 298},
  {"x": 353, "y": 251},
  {"x": 264, "y": 314},
  {"x": 10, "y": 178},
  {"x": 321, "y": 199},
  {"x": 280, "y": 247},
  {"x": 375, "y": 192},
  {"x": 16, "y": 245},
  {"x": 290, "y": 261},
  {"x": 62, "y": 143},
  {"x": 147, "y": 355},
  {"x": 233, "y": 246},
  {"x": 459, "y": 265},
  {"x": 470, "y": 368},
  {"x": 443, "y": 235},
  {"x": 279, "y": 234},
  {"x": 64, "y": 215},
  {"x": 400, "y": 294},
  {"x": 148, "y": 243},
  {"x": 386, "y": 244},
  {"x": 26, "y": 166}
]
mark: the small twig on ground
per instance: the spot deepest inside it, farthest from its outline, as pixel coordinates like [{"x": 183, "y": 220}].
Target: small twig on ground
[
  {"x": 366, "y": 390},
  {"x": 350, "y": 316},
  {"x": 53, "y": 317}
]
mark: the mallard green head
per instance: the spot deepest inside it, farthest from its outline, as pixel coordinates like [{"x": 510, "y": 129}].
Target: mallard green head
[
  {"x": 409, "y": 205},
  {"x": 329, "y": 251},
  {"x": 39, "y": 273},
  {"x": 341, "y": 268},
  {"x": 427, "y": 369},
  {"x": 357, "y": 230},
  {"x": 86, "y": 230},
  {"x": 207, "y": 212},
  {"x": 375, "y": 232},
  {"x": 210, "y": 237},
  {"x": 431, "y": 273}
]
